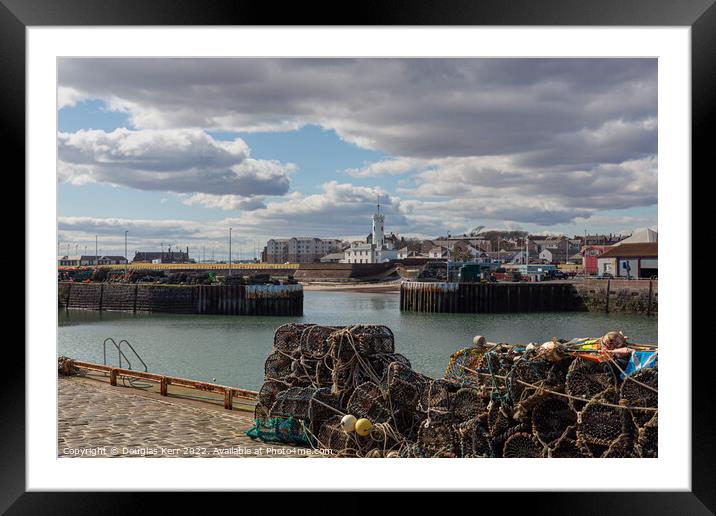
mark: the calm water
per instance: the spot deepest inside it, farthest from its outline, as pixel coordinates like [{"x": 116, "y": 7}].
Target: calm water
[{"x": 233, "y": 349}]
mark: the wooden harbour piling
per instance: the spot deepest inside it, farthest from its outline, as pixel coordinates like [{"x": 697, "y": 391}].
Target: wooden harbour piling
[
  {"x": 433, "y": 297},
  {"x": 184, "y": 299},
  {"x": 636, "y": 296}
]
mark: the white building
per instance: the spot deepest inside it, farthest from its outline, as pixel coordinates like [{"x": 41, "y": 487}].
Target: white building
[
  {"x": 88, "y": 260},
  {"x": 300, "y": 249},
  {"x": 69, "y": 261},
  {"x": 375, "y": 251}
]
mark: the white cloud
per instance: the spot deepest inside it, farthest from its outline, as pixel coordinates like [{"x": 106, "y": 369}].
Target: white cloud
[
  {"x": 339, "y": 209},
  {"x": 225, "y": 202},
  {"x": 503, "y": 141},
  {"x": 428, "y": 108},
  {"x": 390, "y": 167},
  {"x": 173, "y": 160}
]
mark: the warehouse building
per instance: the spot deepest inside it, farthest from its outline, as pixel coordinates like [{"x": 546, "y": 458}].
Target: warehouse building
[{"x": 633, "y": 261}]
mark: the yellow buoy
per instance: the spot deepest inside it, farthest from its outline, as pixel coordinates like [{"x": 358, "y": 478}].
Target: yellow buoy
[
  {"x": 348, "y": 423},
  {"x": 363, "y": 427}
]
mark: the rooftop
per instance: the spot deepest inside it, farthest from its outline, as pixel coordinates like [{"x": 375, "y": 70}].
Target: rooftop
[{"x": 649, "y": 249}]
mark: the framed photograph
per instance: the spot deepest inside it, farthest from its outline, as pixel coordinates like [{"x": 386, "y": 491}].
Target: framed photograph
[{"x": 417, "y": 249}]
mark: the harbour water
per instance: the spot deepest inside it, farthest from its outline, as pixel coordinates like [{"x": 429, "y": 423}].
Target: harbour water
[{"x": 231, "y": 350}]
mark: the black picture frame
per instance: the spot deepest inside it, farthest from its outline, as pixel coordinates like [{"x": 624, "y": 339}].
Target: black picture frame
[{"x": 700, "y": 15}]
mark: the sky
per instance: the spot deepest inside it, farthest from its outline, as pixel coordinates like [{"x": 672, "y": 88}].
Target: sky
[{"x": 177, "y": 151}]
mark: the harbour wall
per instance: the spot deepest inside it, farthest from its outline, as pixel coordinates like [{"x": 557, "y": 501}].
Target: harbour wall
[
  {"x": 633, "y": 296},
  {"x": 344, "y": 272},
  {"x": 183, "y": 299}
]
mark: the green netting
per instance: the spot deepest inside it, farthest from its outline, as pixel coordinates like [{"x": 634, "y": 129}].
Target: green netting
[{"x": 280, "y": 430}]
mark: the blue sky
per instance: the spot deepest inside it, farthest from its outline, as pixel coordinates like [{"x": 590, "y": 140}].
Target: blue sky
[{"x": 176, "y": 151}]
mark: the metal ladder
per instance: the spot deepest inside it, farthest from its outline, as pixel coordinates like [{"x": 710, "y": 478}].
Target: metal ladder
[{"x": 120, "y": 355}]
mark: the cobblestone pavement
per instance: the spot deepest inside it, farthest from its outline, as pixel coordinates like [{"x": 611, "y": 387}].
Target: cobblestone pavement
[{"x": 98, "y": 420}]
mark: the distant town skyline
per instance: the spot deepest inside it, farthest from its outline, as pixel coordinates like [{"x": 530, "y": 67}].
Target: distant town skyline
[{"x": 176, "y": 151}]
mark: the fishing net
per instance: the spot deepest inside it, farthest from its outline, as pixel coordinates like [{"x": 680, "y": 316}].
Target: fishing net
[
  {"x": 435, "y": 397},
  {"x": 261, "y": 413},
  {"x": 498, "y": 400},
  {"x": 280, "y": 430},
  {"x": 599, "y": 424},
  {"x": 587, "y": 379},
  {"x": 621, "y": 448},
  {"x": 292, "y": 402},
  {"x": 379, "y": 363},
  {"x": 306, "y": 403},
  {"x": 385, "y": 438},
  {"x": 412, "y": 451},
  {"x": 463, "y": 365},
  {"x": 640, "y": 390},
  {"x": 595, "y": 451},
  {"x": 288, "y": 336},
  {"x": 523, "y": 375},
  {"x": 404, "y": 385},
  {"x": 367, "y": 401},
  {"x": 277, "y": 367},
  {"x": 648, "y": 438},
  {"x": 467, "y": 403},
  {"x": 474, "y": 438},
  {"x": 568, "y": 448},
  {"x": 522, "y": 445},
  {"x": 66, "y": 367},
  {"x": 498, "y": 418},
  {"x": 323, "y": 405},
  {"x": 324, "y": 372},
  {"x": 437, "y": 435},
  {"x": 551, "y": 418},
  {"x": 267, "y": 395},
  {"x": 493, "y": 369},
  {"x": 331, "y": 437},
  {"x": 313, "y": 340},
  {"x": 361, "y": 339}
]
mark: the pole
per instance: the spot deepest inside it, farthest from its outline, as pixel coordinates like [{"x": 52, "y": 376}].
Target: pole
[
  {"x": 230, "y": 251},
  {"x": 585, "y": 255},
  {"x": 447, "y": 269},
  {"x": 96, "y": 251},
  {"x": 126, "y": 256}
]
